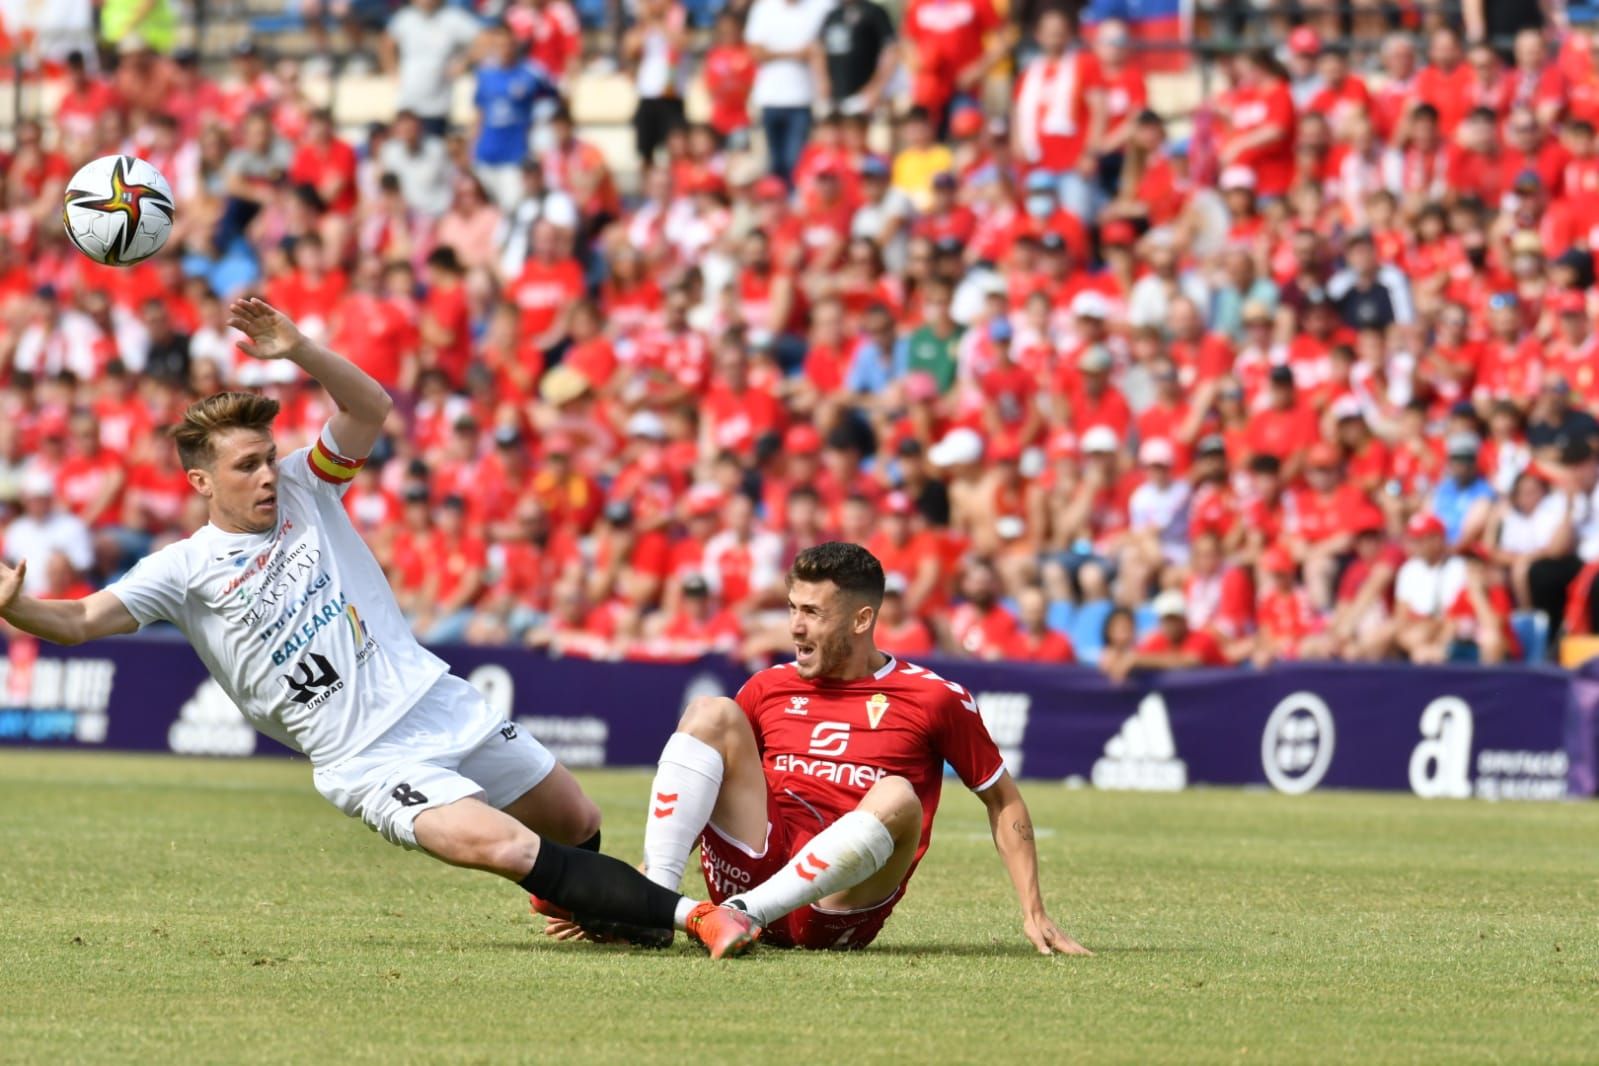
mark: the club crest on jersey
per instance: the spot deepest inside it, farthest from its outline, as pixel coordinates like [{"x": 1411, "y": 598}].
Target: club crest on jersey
[
  {"x": 797, "y": 704},
  {"x": 876, "y": 707}
]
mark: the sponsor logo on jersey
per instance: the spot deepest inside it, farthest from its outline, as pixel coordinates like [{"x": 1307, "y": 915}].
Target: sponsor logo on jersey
[
  {"x": 313, "y": 681},
  {"x": 364, "y": 643},
  {"x": 829, "y": 738},
  {"x": 853, "y": 775},
  {"x": 797, "y": 705},
  {"x": 876, "y": 707},
  {"x": 253, "y": 565},
  {"x": 301, "y": 636},
  {"x": 1142, "y": 756},
  {"x": 261, "y": 609}
]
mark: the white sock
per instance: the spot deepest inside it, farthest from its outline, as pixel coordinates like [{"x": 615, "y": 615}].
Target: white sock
[
  {"x": 681, "y": 799},
  {"x": 685, "y": 907},
  {"x": 843, "y": 855}
]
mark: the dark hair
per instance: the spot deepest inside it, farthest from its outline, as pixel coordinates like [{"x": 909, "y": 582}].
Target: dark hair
[{"x": 849, "y": 566}]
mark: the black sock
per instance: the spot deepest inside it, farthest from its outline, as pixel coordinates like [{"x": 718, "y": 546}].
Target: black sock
[
  {"x": 599, "y": 885},
  {"x": 592, "y": 843}
]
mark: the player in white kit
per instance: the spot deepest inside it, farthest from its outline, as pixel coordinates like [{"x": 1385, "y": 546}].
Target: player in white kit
[{"x": 294, "y": 618}]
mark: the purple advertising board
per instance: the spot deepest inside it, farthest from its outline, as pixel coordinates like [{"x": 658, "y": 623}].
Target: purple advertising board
[{"x": 1440, "y": 731}]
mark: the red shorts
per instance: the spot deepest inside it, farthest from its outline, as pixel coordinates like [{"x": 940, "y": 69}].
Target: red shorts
[{"x": 731, "y": 868}]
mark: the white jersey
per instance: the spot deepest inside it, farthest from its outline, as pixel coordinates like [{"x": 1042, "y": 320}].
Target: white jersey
[{"x": 298, "y": 625}]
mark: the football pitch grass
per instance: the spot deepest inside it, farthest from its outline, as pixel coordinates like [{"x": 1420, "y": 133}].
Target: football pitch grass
[{"x": 190, "y": 911}]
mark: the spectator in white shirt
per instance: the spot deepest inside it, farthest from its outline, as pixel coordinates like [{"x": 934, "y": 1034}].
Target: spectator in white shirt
[
  {"x": 784, "y": 37},
  {"x": 1532, "y": 524},
  {"x": 1157, "y": 518},
  {"x": 42, "y": 530},
  {"x": 1428, "y": 586},
  {"x": 427, "y": 44}
]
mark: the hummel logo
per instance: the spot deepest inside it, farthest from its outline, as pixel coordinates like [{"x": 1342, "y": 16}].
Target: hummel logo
[
  {"x": 796, "y": 704},
  {"x": 1143, "y": 756},
  {"x": 810, "y": 866},
  {"x": 666, "y": 804}
]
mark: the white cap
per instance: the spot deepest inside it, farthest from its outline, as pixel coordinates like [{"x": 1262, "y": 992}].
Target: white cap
[
  {"x": 1100, "y": 439},
  {"x": 1157, "y": 451},
  {"x": 959, "y": 447},
  {"x": 646, "y": 424},
  {"x": 37, "y": 483},
  {"x": 1091, "y": 304},
  {"x": 1170, "y": 603},
  {"x": 1347, "y": 407},
  {"x": 1237, "y": 177}
]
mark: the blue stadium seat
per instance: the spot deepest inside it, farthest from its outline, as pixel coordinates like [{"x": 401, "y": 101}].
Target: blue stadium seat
[
  {"x": 1087, "y": 632},
  {"x": 1532, "y": 630},
  {"x": 1144, "y": 619},
  {"x": 1060, "y": 616}
]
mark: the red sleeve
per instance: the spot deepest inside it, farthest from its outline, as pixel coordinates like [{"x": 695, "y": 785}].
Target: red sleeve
[
  {"x": 963, "y": 739},
  {"x": 749, "y": 701},
  {"x": 988, "y": 19}
]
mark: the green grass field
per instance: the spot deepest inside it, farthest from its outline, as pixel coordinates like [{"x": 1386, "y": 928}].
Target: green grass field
[{"x": 154, "y": 909}]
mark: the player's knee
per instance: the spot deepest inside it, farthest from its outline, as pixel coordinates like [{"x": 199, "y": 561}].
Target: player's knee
[
  {"x": 710, "y": 718},
  {"x": 894, "y": 802}
]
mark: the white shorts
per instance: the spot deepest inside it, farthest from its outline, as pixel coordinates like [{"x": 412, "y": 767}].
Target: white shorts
[{"x": 448, "y": 747}]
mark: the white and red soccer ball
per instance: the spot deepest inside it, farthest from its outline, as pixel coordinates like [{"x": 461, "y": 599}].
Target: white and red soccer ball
[{"x": 118, "y": 210}]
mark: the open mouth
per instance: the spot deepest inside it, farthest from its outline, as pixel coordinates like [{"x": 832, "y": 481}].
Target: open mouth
[
  {"x": 804, "y": 654},
  {"x": 267, "y": 503}
]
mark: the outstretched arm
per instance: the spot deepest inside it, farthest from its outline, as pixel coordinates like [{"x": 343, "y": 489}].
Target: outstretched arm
[
  {"x": 99, "y": 614},
  {"x": 1012, "y": 826},
  {"x": 363, "y": 403}
]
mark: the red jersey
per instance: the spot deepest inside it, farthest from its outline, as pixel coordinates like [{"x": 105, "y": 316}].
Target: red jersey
[
  {"x": 542, "y": 290},
  {"x": 983, "y": 634},
  {"x": 729, "y": 77},
  {"x": 948, "y": 36},
  {"x": 1197, "y": 643},
  {"x": 824, "y": 743},
  {"x": 1273, "y": 162}
]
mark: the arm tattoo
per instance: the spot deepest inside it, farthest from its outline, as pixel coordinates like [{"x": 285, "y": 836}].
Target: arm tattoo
[{"x": 1023, "y": 830}]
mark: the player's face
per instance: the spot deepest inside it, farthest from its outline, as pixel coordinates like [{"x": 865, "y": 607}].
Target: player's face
[
  {"x": 825, "y": 624},
  {"x": 241, "y": 485}
]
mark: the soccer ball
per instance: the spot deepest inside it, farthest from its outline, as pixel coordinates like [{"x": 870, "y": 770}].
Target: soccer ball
[{"x": 118, "y": 210}]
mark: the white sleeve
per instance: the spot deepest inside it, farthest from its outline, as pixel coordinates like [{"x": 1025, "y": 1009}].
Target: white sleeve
[
  {"x": 755, "y": 29},
  {"x": 155, "y": 589},
  {"x": 76, "y": 545}
]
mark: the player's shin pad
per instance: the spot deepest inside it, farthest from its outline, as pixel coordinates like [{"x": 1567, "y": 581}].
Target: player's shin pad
[{"x": 599, "y": 887}]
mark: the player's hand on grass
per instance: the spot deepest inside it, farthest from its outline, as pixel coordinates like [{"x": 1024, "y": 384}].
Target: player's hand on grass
[
  {"x": 1048, "y": 938},
  {"x": 561, "y": 929},
  {"x": 11, "y": 582},
  {"x": 272, "y": 334}
]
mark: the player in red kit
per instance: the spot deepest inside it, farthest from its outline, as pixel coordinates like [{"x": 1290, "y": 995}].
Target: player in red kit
[{"x": 811, "y": 794}]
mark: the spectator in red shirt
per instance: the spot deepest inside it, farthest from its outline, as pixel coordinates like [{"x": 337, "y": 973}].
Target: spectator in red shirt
[
  {"x": 953, "y": 44},
  {"x": 697, "y": 628},
  {"x": 899, "y": 632},
  {"x": 91, "y": 480},
  {"x": 1033, "y": 641},
  {"x": 327, "y": 164},
  {"x": 1287, "y": 626},
  {"x": 1286, "y": 427},
  {"x": 547, "y": 290},
  {"x": 1445, "y": 83},
  {"x": 1172, "y": 646},
  {"x": 729, "y": 73},
  {"x": 1261, "y": 123},
  {"x": 980, "y": 628}
]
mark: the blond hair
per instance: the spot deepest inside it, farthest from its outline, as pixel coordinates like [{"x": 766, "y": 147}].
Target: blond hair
[{"x": 196, "y": 434}]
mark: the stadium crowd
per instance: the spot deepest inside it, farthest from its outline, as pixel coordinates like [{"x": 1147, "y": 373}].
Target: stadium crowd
[{"x": 1317, "y": 380}]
